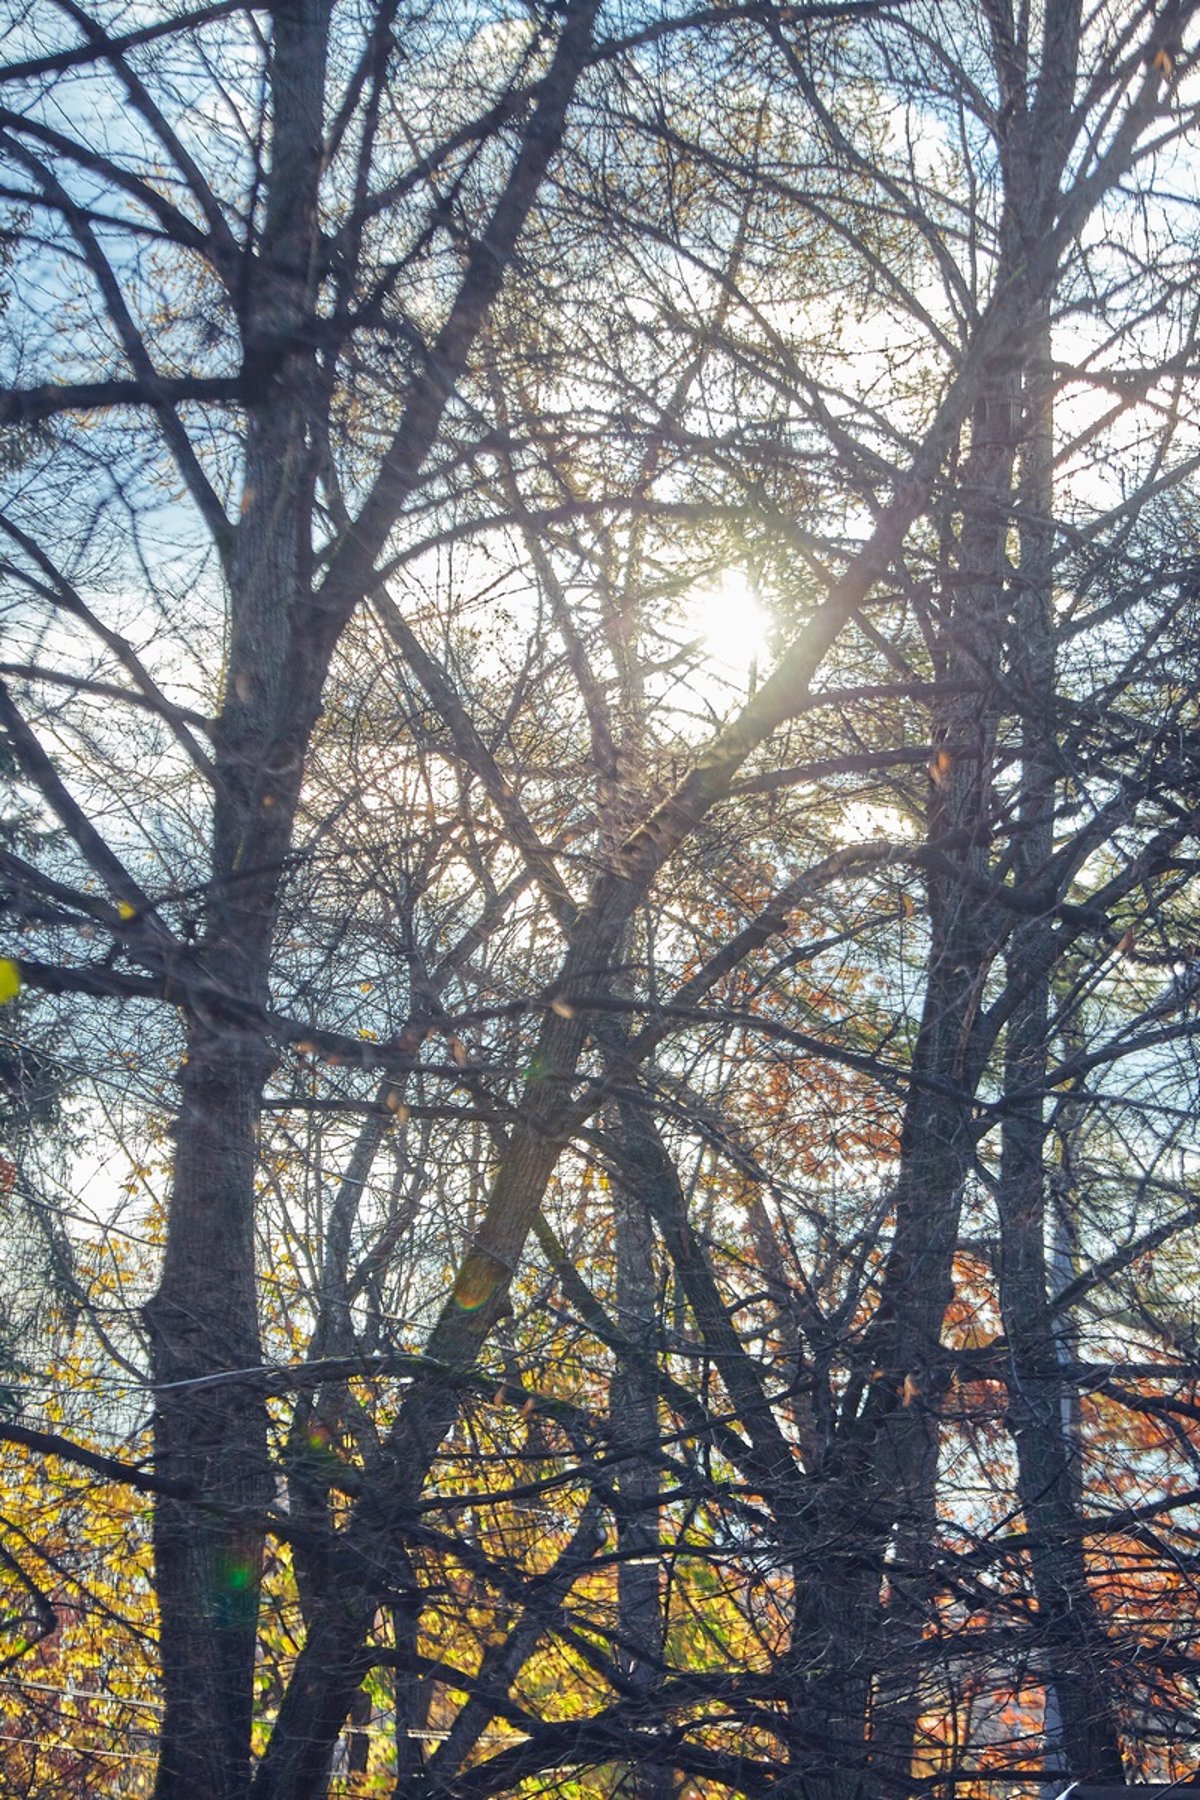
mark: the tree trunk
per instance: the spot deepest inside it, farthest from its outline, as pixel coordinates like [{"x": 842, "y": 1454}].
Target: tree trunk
[
  {"x": 1079, "y": 1710},
  {"x": 633, "y": 1408},
  {"x": 204, "y": 1320}
]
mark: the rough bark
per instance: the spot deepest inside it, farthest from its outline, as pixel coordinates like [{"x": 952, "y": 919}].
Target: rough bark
[
  {"x": 871, "y": 1694},
  {"x": 1081, "y": 1735},
  {"x": 863, "y": 1698},
  {"x": 204, "y": 1318}
]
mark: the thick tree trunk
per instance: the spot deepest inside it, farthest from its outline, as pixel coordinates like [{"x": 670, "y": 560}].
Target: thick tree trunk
[
  {"x": 204, "y": 1318},
  {"x": 865, "y": 1700},
  {"x": 213, "y": 1437},
  {"x": 892, "y": 1448},
  {"x": 1081, "y": 1732},
  {"x": 281, "y": 640},
  {"x": 894, "y": 1441}
]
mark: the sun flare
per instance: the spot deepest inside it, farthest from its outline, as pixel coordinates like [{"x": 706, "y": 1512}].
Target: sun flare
[{"x": 730, "y": 623}]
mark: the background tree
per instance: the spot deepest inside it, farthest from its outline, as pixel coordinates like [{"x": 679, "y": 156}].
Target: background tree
[{"x": 582, "y": 1114}]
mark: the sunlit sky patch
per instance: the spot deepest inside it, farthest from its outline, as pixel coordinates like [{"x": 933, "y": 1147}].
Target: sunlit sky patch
[{"x": 730, "y": 624}]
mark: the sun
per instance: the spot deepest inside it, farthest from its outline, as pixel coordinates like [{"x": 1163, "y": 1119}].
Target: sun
[{"x": 730, "y": 624}]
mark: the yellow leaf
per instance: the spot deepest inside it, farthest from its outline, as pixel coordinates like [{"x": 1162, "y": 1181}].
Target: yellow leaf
[
  {"x": 563, "y": 1010},
  {"x": 126, "y": 911},
  {"x": 10, "y": 979}
]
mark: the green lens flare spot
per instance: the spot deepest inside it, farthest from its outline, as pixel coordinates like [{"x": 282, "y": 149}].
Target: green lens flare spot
[{"x": 238, "y": 1576}]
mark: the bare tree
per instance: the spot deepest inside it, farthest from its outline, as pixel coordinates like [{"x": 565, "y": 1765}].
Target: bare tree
[{"x": 389, "y": 322}]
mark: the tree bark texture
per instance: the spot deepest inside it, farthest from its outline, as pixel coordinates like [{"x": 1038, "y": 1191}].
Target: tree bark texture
[
  {"x": 1079, "y": 1694},
  {"x": 203, "y": 1319}
]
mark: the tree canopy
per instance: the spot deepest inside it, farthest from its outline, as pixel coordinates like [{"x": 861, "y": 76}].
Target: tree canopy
[{"x": 599, "y": 706}]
